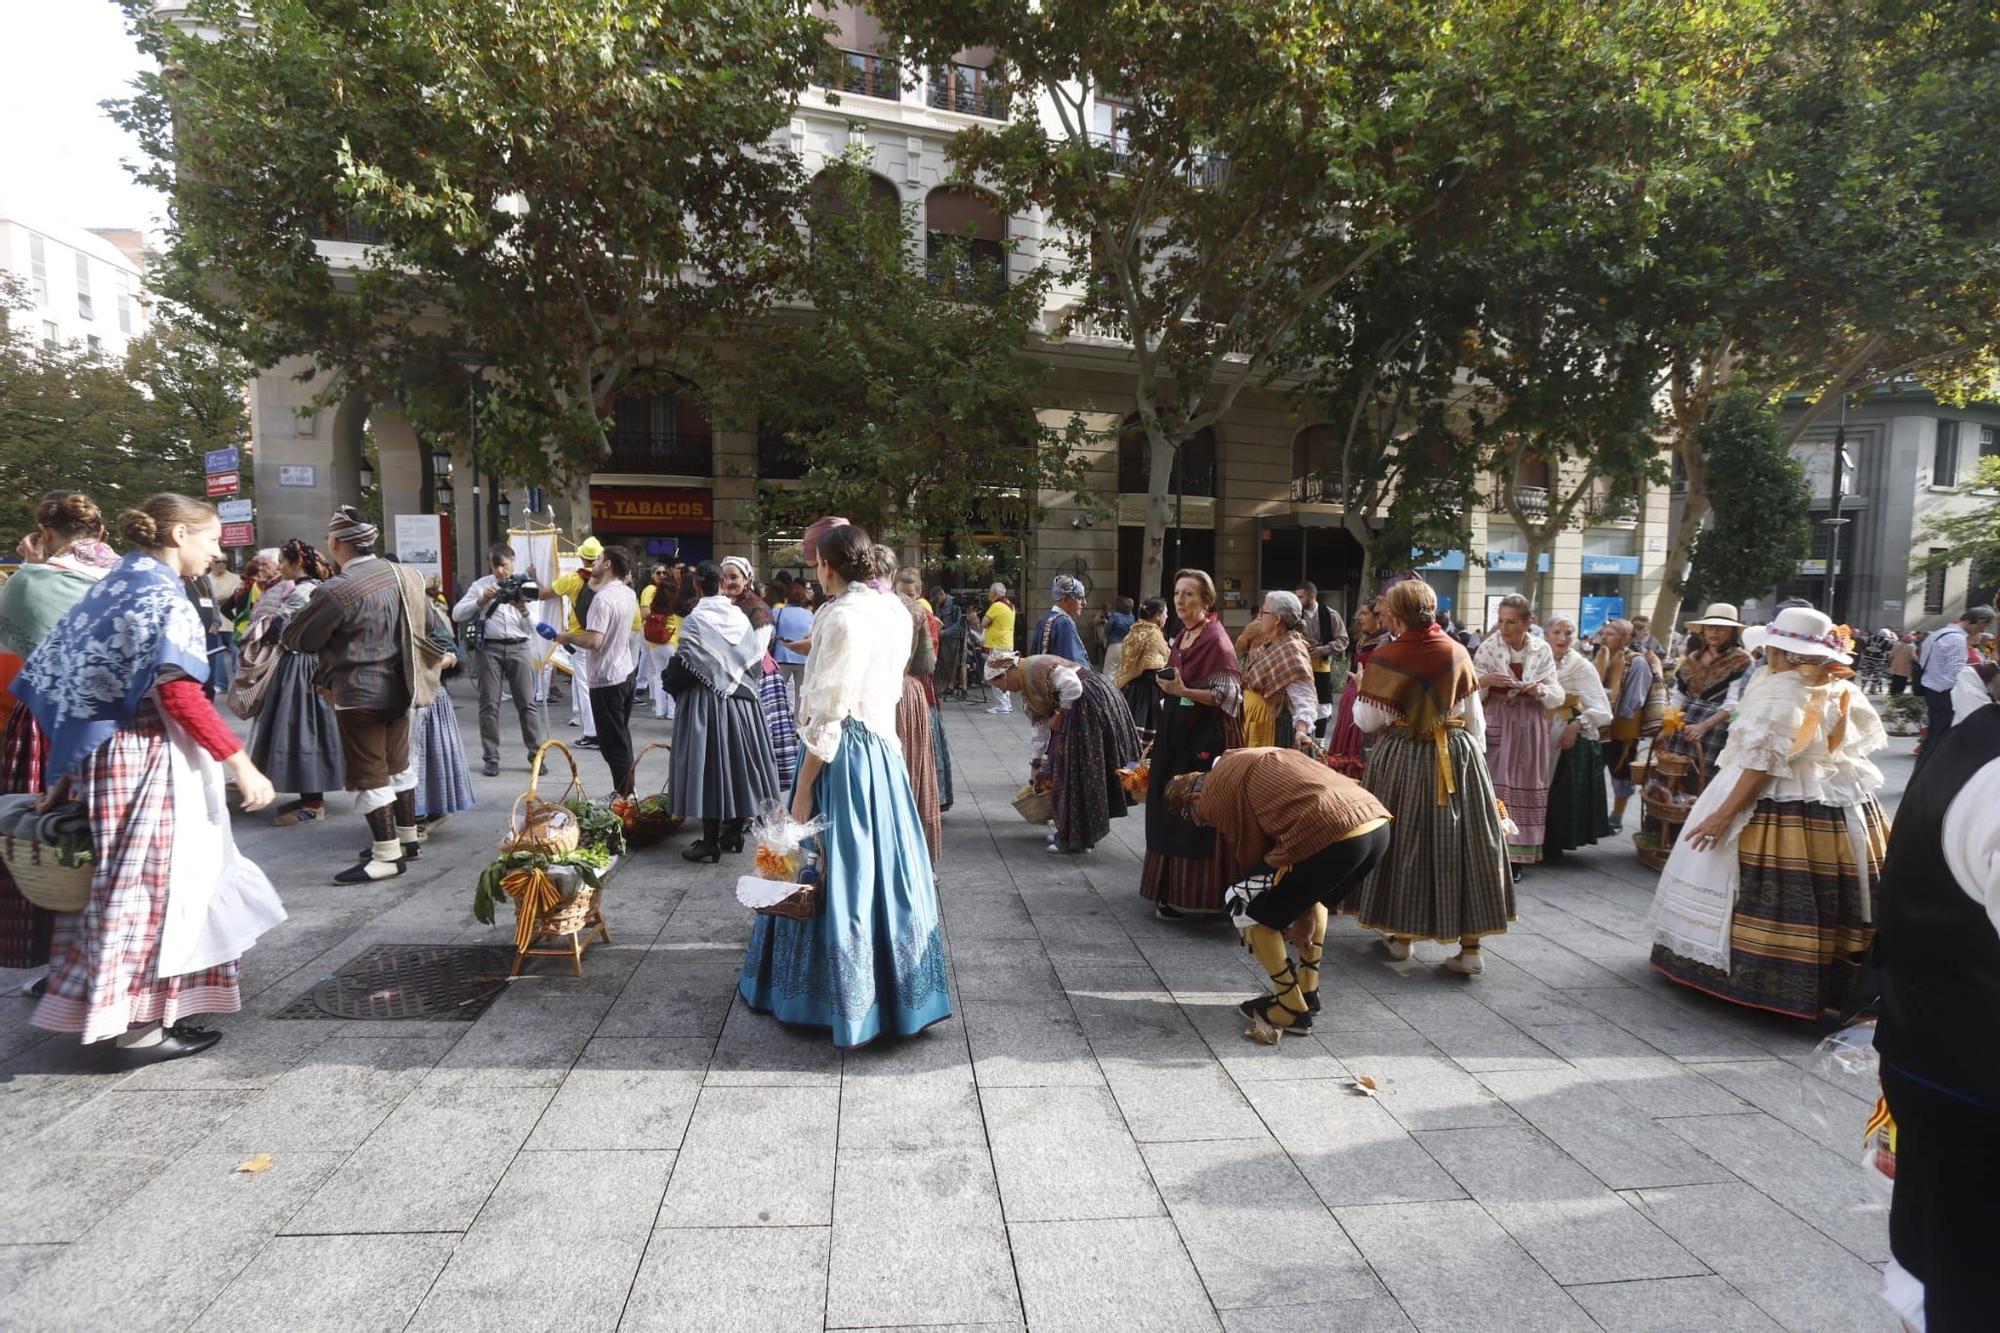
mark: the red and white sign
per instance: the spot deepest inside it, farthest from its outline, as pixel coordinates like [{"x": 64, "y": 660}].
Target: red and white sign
[
  {"x": 224, "y": 483},
  {"x": 654, "y": 510},
  {"x": 239, "y": 534}
]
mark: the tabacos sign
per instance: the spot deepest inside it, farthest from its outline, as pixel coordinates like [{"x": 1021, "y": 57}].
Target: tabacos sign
[{"x": 651, "y": 509}]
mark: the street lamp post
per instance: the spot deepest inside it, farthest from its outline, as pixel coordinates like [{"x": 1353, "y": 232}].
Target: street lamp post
[{"x": 1835, "y": 520}]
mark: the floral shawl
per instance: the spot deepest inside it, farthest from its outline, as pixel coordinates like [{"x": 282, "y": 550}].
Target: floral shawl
[
  {"x": 1700, "y": 676},
  {"x": 1145, "y": 650},
  {"x": 89, "y": 677}
]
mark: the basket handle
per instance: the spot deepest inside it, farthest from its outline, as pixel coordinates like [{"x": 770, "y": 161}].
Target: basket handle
[
  {"x": 535, "y": 770},
  {"x": 632, "y": 775}
]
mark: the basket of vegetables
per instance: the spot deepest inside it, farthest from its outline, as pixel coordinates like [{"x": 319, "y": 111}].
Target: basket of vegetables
[
  {"x": 648, "y": 819},
  {"x": 552, "y": 862}
]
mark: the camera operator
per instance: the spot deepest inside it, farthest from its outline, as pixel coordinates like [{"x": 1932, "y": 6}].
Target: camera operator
[{"x": 495, "y": 608}]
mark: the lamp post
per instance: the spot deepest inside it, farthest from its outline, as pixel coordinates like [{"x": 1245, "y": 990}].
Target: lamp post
[
  {"x": 1835, "y": 521},
  {"x": 476, "y": 362}
]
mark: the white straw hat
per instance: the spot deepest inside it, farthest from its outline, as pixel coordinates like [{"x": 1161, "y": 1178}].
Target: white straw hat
[
  {"x": 1719, "y": 613},
  {"x": 1800, "y": 631}
]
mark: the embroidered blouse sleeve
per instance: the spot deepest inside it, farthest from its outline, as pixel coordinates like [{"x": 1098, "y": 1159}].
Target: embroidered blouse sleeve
[
  {"x": 1068, "y": 685},
  {"x": 831, "y": 686},
  {"x": 1590, "y": 691},
  {"x": 1762, "y": 733},
  {"x": 1474, "y": 714}
]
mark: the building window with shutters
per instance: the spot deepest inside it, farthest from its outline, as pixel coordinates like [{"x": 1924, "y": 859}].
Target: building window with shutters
[
  {"x": 1934, "y": 586},
  {"x": 124, "y": 302},
  {"x": 84, "y": 309},
  {"x": 38, "y": 269}
]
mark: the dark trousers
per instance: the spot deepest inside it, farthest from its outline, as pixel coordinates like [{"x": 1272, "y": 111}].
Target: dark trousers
[
  {"x": 1323, "y": 688},
  {"x": 1939, "y": 703},
  {"x": 1328, "y": 876},
  {"x": 1897, "y": 684},
  {"x": 1941, "y": 1217},
  {"x": 611, "y": 710}
]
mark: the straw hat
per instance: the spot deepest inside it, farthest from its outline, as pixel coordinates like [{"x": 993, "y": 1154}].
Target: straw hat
[
  {"x": 1718, "y": 613},
  {"x": 1800, "y": 631}
]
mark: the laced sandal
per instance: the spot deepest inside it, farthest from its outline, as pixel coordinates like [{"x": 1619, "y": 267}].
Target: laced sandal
[{"x": 1266, "y": 1033}]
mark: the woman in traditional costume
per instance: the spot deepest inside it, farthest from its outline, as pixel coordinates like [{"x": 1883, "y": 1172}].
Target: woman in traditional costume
[
  {"x": 1767, "y": 896},
  {"x": 444, "y": 780},
  {"x": 1347, "y": 746},
  {"x": 1707, "y": 682},
  {"x": 721, "y": 768},
  {"x": 1188, "y": 868},
  {"x": 1517, "y": 688},
  {"x": 64, "y": 558},
  {"x": 1627, "y": 676},
  {"x": 871, "y": 961},
  {"x": 1445, "y": 877},
  {"x": 1145, "y": 653},
  {"x": 1280, "y": 703},
  {"x": 117, "y": 688},
  {"x": 925, "y": 635},
  {"x": 294, "y": 739},
  {"x": 1579, "y": 813},
  {"x": 739, "y": 584},
  {"x": 1083, "y": 736}
]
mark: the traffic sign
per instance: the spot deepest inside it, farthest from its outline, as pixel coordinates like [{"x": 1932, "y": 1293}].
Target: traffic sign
[
  {"x": 234, "y": 511},
  {"x": 220, "y": 460},
  {"x": 224, "y": 483},
  {"x": 239, "y": 534}
]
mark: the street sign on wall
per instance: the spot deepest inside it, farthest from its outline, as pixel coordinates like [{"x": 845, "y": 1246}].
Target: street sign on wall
[
  {"x": 234, "y": 511},
  {"x": 224, "y": 483},
  {"x": 295, "y": 474},
  {"x": 239, "y": 534},
  {"x": 220, "y": 460}
]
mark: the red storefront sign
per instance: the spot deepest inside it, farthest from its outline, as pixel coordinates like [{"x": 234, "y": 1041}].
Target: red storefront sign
[
  {"x": 224, "y": 483},
  {"x": 239, "y": 534},
  {"x": 651, "y": 509}
]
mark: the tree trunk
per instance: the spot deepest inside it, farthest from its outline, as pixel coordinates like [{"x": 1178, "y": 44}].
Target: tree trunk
[
  {"x": 1534, "y": 538},
  {"x": 1159, "y": 513}
]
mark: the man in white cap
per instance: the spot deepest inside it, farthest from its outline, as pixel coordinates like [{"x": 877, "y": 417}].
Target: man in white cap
[{"x": 365, "y": 623}]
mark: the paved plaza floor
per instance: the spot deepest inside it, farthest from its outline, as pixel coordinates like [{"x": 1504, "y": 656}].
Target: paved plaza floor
[{"x": 1567, "y": 1142}]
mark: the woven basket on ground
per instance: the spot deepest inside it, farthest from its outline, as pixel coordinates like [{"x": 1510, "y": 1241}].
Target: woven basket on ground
[
  {"x": 645, "y": 828},
  {"x": 32, "y": 848},
  {"x": 539, "y": 825},
  {"x": 1037, "y": 807},
  {"x": 1669, "y": 812}
]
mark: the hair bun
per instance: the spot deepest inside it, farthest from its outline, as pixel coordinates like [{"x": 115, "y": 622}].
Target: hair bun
[{"x": 137, "y": 527}]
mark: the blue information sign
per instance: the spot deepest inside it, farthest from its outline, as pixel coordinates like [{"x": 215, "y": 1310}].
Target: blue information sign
[
  {"x": 1597, "y": 610},
  {"x": 220, "y": 460}
]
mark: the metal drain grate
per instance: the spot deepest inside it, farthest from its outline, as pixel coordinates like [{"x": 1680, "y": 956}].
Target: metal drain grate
[{"x": 439, "y": 982}]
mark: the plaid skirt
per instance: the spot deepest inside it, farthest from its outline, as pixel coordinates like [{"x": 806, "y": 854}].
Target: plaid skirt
[
  {"x": 777, "y": 706},
  {"x": 25, "y": 929},
  {"x": 1446, "y": 876},
  {"x": 913, "y": 732},
  {"x": 1579, "y": 813},
  {"x": 1800, "y": 928},
  {"x": 444, "y": 782},
  {"x": 104, "y": 979},
  {"x": 1096, "y": 740}
]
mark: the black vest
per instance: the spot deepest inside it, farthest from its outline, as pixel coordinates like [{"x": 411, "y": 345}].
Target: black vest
[{"x": 1939, "y": 953}]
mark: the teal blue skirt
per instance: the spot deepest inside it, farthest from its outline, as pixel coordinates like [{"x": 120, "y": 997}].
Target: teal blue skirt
[{"x": 872, "y": 961}]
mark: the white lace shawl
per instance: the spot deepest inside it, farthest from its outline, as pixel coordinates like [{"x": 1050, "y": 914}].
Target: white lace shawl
[{"x": 1538, "y": 667}]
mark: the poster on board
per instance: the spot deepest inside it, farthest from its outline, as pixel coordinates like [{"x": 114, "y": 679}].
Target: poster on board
[
  {"x": 1597, "y": 610},
  {"x": 420, "y": 543}
]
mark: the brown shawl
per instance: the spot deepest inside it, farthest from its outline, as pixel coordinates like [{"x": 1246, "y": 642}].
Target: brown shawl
[
  {"x": 1145, "y": 650},
  {"x": 1420, "y": 677},
  {"x": 1272, "y": 666}
]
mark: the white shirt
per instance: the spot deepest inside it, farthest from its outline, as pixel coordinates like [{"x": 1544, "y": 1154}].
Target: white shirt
[
  {"x": 611, "y": 612},
  {"x": 861, "y": 644},
  {"x": 506, "y": 623},
  {"x": 1941, "y": 658},
  {"x": 1069, "y": 688},
  {"x": 1971, "y": 838},
  {"x": 1968, "y": 693},
  {"x": 1372, "y": 717}
]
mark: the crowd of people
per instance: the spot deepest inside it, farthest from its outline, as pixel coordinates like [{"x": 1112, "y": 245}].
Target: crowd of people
[{"x": 1406, "y": 771}]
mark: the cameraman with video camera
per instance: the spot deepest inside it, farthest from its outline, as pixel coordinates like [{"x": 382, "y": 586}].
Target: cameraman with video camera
[{"x": 495, "y": 612}]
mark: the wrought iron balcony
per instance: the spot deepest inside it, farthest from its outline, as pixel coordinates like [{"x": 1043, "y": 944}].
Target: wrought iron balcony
[
  {"x": 350, "y": 231},
  {"x": 1201, "y": 170},
  {"x": 674, "y": 453},
  {"x": 871, "y": 75},
  {"x": 1602, "y": 508},
  {"x": 1314, "y": 490},
  {"x": 969, "y": 90}
]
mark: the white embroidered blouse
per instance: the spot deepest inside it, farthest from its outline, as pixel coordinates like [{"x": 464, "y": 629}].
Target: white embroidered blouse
[{"x": 861, "y": 643}]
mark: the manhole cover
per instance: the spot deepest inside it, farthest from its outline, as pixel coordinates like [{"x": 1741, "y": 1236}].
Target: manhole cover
[{"x": 389, "y": 981}]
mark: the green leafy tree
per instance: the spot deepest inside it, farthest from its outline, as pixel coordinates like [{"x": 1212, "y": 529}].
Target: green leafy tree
[
  {"x": 1762, "y": 507},
  {"x": 576, "y": 190},
  {"x": 900, "y": 393},
  {"x": 1854, "y": 243},
  {"x": 74, "y": 419},
  {"x": 1971, "y": 534},
  {"x": 1218, "y": 170}
]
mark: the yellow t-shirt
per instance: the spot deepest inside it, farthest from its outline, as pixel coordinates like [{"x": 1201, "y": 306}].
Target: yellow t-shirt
[
  {"x": 999, "y": 627},
  {"x": 568, "y": 586}
]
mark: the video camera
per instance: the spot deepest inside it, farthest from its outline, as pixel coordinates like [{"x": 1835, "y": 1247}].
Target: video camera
[{"x": 514, "y": 590}]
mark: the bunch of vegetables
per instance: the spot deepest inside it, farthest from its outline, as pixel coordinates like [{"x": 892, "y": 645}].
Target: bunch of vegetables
[{"x": 602, "y": 826}]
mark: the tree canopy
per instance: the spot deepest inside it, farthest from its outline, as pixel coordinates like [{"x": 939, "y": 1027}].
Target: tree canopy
[{"x": 1762, "y": 508}]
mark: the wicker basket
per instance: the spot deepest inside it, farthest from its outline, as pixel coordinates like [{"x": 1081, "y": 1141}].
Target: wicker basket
[
  {"x": 1667, "y": 812},
  {"x": 1037, "y": 807},
  {"x": 801, "y": 906},
  {"x": 642, "y": 829},
  {"x": 42, "y": 878},
  {"x": 1672, "y": 764},
  {"x": 544, "y": 826}
]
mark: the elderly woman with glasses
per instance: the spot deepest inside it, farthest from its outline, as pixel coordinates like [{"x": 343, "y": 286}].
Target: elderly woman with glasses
[{"x": 1279, "y": 700}]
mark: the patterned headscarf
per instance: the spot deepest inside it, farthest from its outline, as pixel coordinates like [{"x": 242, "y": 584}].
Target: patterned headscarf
[
  {"x": 351, "y": 527},
  {"x": 1066, "y": 585},
  {"x": 738, "y": 562}
]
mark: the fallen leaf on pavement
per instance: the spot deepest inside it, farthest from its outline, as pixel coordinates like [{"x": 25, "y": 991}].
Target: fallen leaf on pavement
[{"x": 250, "y": 1166}]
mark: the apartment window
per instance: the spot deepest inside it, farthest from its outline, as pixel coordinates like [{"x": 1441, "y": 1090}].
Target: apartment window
[
  {"x": 38, "y": 270},
  {"x": 1989, "y": 442},
  {"x": 1110, "y": 125},
  {"x": 124, "y": 302},
  {"x": 1934, "y": 586},
  {"x": 1944, "y": 460},
  {"x": 93, "y": 342},
  {"x": 51, "y": 333},
  {"x": 83, "y": 307}
]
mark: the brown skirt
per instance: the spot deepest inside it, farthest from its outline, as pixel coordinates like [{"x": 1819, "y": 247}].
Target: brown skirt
[{"x": 913, "y": 732}]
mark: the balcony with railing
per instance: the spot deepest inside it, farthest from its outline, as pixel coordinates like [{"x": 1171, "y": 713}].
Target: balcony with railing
[
  {"x": 969, "y": 90},
  {"x": 348, "y": 231},
  {"x": 1133, "y": 478},
  {"x": 870, "y": 75},
  {"x": 1201, "y": 170},
  {"x": 1534, "y": 500},
  {"x": 671, "y": 453},
  {"x": 1602, "y": 507}
]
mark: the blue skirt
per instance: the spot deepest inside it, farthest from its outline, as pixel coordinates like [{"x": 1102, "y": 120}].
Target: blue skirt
[
  {"x": 872, "y": 961},
  {"x": 444, "y": 783}
]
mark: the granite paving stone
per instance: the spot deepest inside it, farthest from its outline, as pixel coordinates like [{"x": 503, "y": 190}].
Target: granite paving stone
[
  {"x": 1364, "y": 1314},
  {"x": 625, "y": 1092},
  {"x": 578, "y": 1220},
  {"x": 1778, "y": 1089},
  {"x": 1672, "y": 1305},
  {"x": 1180, "y": 1104},
  {"x": 1452, "y": 1267},
  {"x": 1347, "y": 1146},
  {"x": 346, "y": 1282},
  {"x": 1028, "y": 1043},
  {"x": 1064, "y": 1154},
  {"x": 694, "y": 1280},
  {"x": 927, "y": 1210},
  {"x": 1611, "y": 1138},
  {"x": 1829, "y": 1191},
  {"x": 755, "y": 1052},
  {"x": 1224, "y": 1197},
  {"x": 334, "y": 1101},
  {"x": 1085, "y": 1276},
  {"x": 756, "y": 1157}
]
